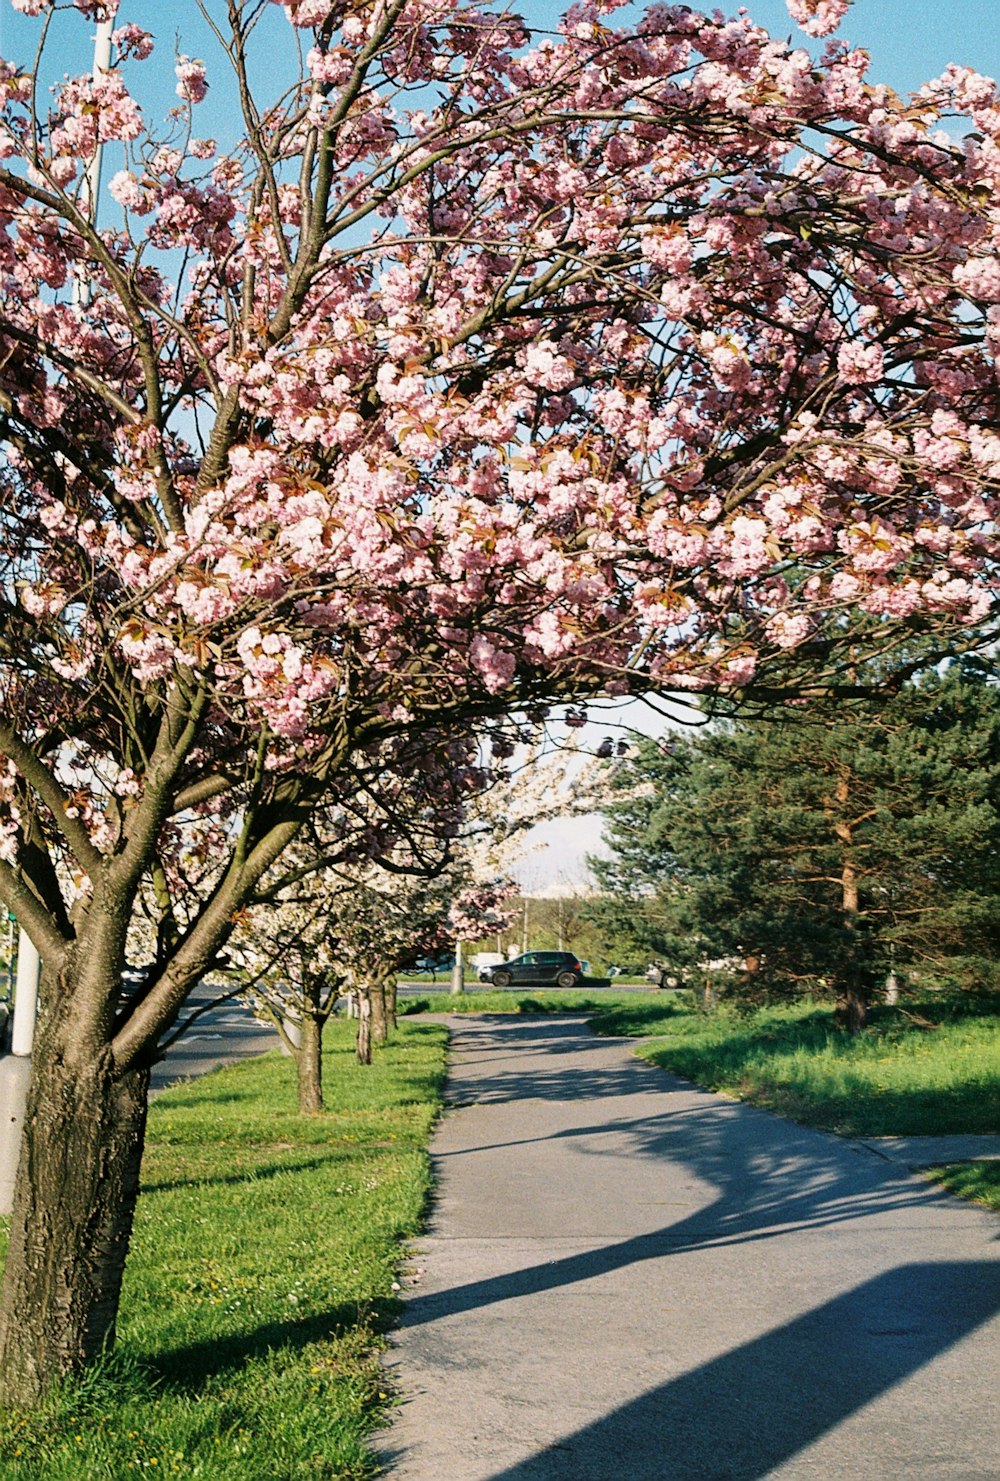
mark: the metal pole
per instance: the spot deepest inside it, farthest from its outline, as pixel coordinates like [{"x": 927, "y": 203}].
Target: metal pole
[
  {"x": 29, "y": 970},
  {"x": 458, "y": 971},
  {"x": 28, "y": 963},
  {"x": 92, "y": 174}
]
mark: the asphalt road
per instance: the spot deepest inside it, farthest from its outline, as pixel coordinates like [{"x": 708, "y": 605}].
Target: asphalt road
[
  {"x": 218, "y": 1035},
  {"x": 590, "y": 984},
  {"x": 627, "y": 1278}
]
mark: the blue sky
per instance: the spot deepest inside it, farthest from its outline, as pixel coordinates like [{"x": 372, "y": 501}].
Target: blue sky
[{"x": 909, "y": 40}]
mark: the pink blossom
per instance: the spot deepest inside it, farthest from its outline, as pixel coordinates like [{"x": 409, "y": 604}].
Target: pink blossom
[
  {"x": 788, "y": 629},
  {"x": 63, "y": 171},
  {"x": 131, "y": 40},
  {"x": 191, "y": 84},
  {"x": 979, "y": 277},
  {"x": 331, "y": 67},
  {"x": 306, "y": 12},
  {"x": 860, "y": 364},
  {"x": 818, "y": 17},
  {"x": 544, "y": 366},
  {"x": 494, "y": 665},
  {"x": 126, "y": 190}
]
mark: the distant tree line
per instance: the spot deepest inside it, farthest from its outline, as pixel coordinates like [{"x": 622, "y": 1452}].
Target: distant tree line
[{"x": 849, "y": 859}]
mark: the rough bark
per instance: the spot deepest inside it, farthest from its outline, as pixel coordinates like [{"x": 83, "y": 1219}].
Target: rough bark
[
  {"x": 364, "y": 1044},
  {"x": 309, "y": 1065},
  {"x": 852, "y": 991},
  {"x": 74, "y": 1201},
  {"x": 852, "y": 1008},
  {"x": 380, "y": 1025},
  {"x": 853, "y": 994},
  {"x": 391, "y": 989}
]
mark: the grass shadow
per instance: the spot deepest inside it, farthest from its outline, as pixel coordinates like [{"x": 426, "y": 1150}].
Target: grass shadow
[
  {"x": 188, "y": 1368},
  {"x": 230, "y": 1180}
]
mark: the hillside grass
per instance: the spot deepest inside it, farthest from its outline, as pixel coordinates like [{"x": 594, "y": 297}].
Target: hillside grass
[
  {"x": 926, "y": 1069},
  {"x": 529, "y": 1000},
  {"x": 898, "y": 1077},
  {"x": 260, "y": 1280},
  {"x": 979, "y": 1182}
]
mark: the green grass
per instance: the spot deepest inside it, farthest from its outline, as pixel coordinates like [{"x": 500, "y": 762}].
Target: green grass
[
  {"x": 260, "y": 1279},
  {"x": 893, "y": 1079},
  {"x": 977, "y": 1181},
  {"x": 534, "y": 1000}
]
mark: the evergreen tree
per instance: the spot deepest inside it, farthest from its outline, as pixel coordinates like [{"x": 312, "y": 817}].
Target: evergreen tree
[{"x": 837, "y": 858}]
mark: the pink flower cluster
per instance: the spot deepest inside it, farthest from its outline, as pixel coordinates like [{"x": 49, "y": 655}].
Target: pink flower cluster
[
  {"x": 580, "y": 374},
  {"x": 818, "y": 17},
  {"x": 191, "y": 84}
]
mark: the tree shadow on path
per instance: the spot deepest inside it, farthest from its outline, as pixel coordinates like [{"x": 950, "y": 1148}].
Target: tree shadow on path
[
  {"x": 740, "y": 1416},
  {"x": 709, "y": 1173},
  {"x": 770, "y": 1177}
]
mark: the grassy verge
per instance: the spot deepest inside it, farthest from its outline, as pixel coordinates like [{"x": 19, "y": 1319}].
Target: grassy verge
[
  {"x": 260, "y": 1279},
  {"x": 894, "y": 1079},
  {"x": 533, "y": 1000},
  {"x": 979, "y": 1182}
]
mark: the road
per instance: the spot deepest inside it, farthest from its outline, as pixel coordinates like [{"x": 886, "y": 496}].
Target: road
[
  {"x": 220, "y": 1035},
  {"x": 628, "y": 1277}
]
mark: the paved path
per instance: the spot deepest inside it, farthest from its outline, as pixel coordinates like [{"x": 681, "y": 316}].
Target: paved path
[{"x": 630, "y": 1279}]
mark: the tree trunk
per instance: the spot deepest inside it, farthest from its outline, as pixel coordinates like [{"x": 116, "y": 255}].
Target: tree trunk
[
  {"x": 852, "y": 1008},
  {"x": 364, "y": 1046},
  {"x": 852, "y": 995},
  {"x": 309, "y": 1065},
  {"x": 391, "y": 987},
  {"x": 376, "y": 996},
  {"x": 74, "y": 1201}
]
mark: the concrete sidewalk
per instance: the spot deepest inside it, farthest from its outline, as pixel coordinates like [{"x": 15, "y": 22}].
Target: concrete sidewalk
[
  {"x": 630, "y": 1279},
  {"x": 934, "y": 1151}
]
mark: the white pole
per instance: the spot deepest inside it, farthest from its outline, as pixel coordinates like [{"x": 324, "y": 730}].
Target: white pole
[
  {"x": 92, "y": 174},
  {"x": 29, "y": 966},
  {"x": 102, "y": 61},
  {"x": 458, "y": 971},
  {"x": 29, "y": 969}
]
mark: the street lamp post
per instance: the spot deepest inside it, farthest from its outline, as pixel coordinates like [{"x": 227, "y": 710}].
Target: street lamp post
[
  {"x": 29, "y": 968},
  {"x": 458, "y": 970},
  {"x": 92, "y": 174},
  {"x": 29, "y": 964}
]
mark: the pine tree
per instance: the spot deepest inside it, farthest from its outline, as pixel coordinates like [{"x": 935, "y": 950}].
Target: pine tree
[{"x": 835, "y": 858}]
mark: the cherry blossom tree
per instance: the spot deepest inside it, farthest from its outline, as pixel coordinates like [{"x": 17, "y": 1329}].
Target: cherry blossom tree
[
  {"x": 492, "y": 369},
  {"x": 335, "y": 934}
]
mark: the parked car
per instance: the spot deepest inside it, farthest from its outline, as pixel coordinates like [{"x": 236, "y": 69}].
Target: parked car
[
  {"x": 484, "y": 962},
  {"x": 538, "y": 968},
  {"x": 661, "y": 976},
  {"x": 441, "y": 962}
]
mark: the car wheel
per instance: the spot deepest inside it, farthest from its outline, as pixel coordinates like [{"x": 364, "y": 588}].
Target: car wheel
[
  {"x": 566, "y": 979},
  {"x": 501, "y": 979}
]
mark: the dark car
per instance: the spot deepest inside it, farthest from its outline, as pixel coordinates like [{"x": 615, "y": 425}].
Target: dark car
[{"x": 536, "y": 967}]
